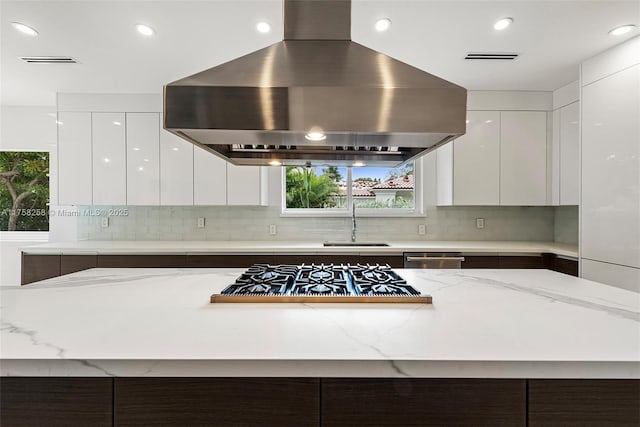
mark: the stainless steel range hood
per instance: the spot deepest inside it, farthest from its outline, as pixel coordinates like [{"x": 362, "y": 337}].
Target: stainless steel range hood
[{"x": 315, "y": 97}]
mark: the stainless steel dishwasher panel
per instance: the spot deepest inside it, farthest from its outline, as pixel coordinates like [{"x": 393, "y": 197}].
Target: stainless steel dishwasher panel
[{"x": 449, "y": 260}]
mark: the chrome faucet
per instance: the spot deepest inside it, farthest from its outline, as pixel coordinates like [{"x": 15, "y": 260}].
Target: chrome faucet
[{"x": 353, "y": 223}]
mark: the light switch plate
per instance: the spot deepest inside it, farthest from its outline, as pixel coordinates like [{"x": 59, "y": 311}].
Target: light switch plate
[
  {"x": 104, "y": 222},
  {"x": 273, "y": 230},
  {"x": 200, "y": 222},
  {"x": 479, "y": 222},
  {"x": 422, "y": 229}
]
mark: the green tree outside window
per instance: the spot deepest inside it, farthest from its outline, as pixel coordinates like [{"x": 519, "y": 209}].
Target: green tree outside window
[{"x": 24, "y": 191}]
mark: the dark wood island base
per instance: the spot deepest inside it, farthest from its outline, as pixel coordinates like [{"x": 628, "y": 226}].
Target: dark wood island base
[{"x": 96, "y": 402}]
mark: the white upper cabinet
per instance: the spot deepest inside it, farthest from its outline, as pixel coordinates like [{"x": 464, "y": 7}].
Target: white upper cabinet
[
  {"x": 501, "y": 160},
  {"x": 74, "y": 158},
  {"x": 127, "y": 158},
  {"x": 569, "y": 154},
  {"x": 109, "y": 159},
  {"x": 523, "y": 158},
  {"x": 143, "y": 159},
  {"x": 209, "y": 178},
  {"x": 476, "y": 155},
  {"x": 245, "y": 185},
  {"x": 176, "y": 170}
]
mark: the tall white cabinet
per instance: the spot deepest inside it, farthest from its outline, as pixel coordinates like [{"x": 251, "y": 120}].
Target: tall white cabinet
[{"x": 610, "y": 179}]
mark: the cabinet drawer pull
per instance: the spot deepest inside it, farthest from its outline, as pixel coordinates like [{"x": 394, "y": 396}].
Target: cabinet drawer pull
[{"x": 435, "y": 258}]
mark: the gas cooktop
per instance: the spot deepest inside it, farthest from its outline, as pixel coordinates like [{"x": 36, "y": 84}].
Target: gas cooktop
[{"x": 320, "y": 283}]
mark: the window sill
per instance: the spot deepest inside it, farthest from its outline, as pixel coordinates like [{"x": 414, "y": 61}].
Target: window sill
[{"x": 360, "y": 213}]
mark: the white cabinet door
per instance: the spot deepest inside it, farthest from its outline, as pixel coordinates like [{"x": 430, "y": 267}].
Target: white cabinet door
[
  {"x": 523, "y": 158},
  {"x": 176, "y": 170},
  {"x": 109, "y": 160},
  {"x": 569, "y": 154},
  {"x": 444, "y": 175},
  {"x": 143, "y": 162},
  {"x": 74, "y": 159},
  {"x": 476, "y": 157},
  {"x": 209, "y": 178},
  {"x": 244, "y": 185},
  {"x": 610, "y": 204}
]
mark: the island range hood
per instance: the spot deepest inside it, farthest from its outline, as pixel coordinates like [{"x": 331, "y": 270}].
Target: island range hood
[{"x": 315, "y": 98}]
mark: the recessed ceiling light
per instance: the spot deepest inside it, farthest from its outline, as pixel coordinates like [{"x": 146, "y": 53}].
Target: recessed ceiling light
[
  {"x": 175, "y": 148},
  {"x": 117, "y": 123},
  {"x": 315, "y": 134},
  {"x": 24, "y": 29},
  {"x": 623, "y": 29},
  {"x": 145, "y": 30},
  {"x": 275, "y": 163},
  {"x": 263, "y": 27},
  {"x": 358, "y": 164},
  {"x": 503, "y": 23},
  {"x": 383, "y": 24}
]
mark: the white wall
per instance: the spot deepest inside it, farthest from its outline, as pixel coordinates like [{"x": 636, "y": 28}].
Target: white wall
[{"x": 24, "y": 128}]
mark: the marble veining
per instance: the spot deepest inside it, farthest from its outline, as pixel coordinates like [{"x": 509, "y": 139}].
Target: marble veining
[
  {"x": 605, "y": 306},
  {"x": 158, "y": 322}
]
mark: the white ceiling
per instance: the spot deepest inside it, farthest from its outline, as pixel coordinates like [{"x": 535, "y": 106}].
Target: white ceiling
[{"x": 552, "y": 37}]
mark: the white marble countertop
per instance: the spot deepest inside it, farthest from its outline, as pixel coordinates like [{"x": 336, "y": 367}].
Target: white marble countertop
[
  {"x": 159, "y": 322},
  {"x": 239, "y": 247}
]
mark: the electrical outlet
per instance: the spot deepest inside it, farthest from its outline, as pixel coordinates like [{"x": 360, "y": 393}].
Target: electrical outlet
[
  {"x": 273, "y": 230},
  {"x": 422, "y": 229},
  {"x": 479, "y": 223},
  {"x": 200, "y": 222},
  {"x": 104, "y": 222}
]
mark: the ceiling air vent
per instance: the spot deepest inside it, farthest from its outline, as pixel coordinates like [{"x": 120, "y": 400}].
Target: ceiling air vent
[
  {"x": 491, "y": 56},
  {"x": 49, "y": 59}
]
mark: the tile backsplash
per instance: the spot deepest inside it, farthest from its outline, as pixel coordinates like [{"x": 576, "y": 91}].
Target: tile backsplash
[{"x": 252, "y": 223}]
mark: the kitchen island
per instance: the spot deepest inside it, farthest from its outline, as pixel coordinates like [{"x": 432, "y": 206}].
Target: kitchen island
[{"x": 498, "y": 332}]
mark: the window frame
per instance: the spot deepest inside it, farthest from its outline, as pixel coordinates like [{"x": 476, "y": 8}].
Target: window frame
[{"x": 417, "y": 211}]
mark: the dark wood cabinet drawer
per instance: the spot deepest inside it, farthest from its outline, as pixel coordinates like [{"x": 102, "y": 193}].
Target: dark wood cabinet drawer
[
  {"x": 56, "y": 402},
  {"x": 142, "y": 261},
  {"x": 217, "y": 402},
  {"x": 584, "y": 403},
  {"x": 73, "y": 263},
  {"x": 228, "y": 261},
  {"x": 39, "y": 267},
  {"x": 423, "y": 402}
]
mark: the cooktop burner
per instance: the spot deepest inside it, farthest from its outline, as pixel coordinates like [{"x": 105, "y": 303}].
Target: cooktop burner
[{"x": 320, "y": 280}]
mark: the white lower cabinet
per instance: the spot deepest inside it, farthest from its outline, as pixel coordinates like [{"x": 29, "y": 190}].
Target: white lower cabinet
[
  {"x": 74, "y": 158},
  {"x": 143, "y": 159},
  {"x": 209, "y": 178},
  {"x": 523, "y": 158},
  {"x": 176, "y": 170},
  {"x": 109, "y": 159}
]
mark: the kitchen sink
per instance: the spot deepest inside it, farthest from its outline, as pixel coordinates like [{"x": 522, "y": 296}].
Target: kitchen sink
[{"x": 355, "y": 244}]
